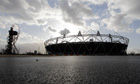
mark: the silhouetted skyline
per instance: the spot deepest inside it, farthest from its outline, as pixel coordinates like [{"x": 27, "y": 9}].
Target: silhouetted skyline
[{"x": 40, "y": 20}]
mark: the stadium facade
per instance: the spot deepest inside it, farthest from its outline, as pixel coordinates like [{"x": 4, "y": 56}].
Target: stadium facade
[{"x": 87, "y": 44}]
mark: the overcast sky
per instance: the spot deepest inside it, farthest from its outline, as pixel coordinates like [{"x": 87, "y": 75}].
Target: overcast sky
[{"x": 40, "y": 20}]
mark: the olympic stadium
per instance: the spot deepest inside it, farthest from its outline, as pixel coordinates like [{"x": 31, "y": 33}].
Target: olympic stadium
[{"x": 87, "y": 44}]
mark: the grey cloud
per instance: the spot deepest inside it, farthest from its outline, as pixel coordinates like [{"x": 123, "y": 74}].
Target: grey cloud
[
  {"x": 51, "y": 29},
  {"x": 130, "y": 7},
  {"x": 37, "y": 5},
  {"x": 118, "y": 23},
  {"x": 74, "y": 12},
  {"x": 138, "y": 30},
  {"x": 65, "y": 31},
  {"x": 41, "y": 21},
  {"x": 12, "y": 5},
  {"x": 22, "y": 11},
  {"x": 15, "y": 8},
  {"x": 96, "y": 2}
]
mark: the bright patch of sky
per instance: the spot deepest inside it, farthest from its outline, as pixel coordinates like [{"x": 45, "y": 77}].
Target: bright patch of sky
[
  {"x": 52, "y": 3},
  {"x": 40, "y": 20},
  {"x": 100, "y": 10}
]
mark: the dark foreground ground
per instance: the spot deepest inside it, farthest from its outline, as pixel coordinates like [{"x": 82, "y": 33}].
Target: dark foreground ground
[{"x": 70, "y": 70}]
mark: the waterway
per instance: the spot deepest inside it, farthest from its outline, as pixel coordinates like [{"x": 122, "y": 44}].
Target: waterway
[{"x": 70, "y": 70}]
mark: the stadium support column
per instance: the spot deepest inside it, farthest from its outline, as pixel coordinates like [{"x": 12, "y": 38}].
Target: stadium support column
[
  {"x": 98, "y": 34},
  {"x": 110, "y": 37},
  {"x": 56, "y": 40}
]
